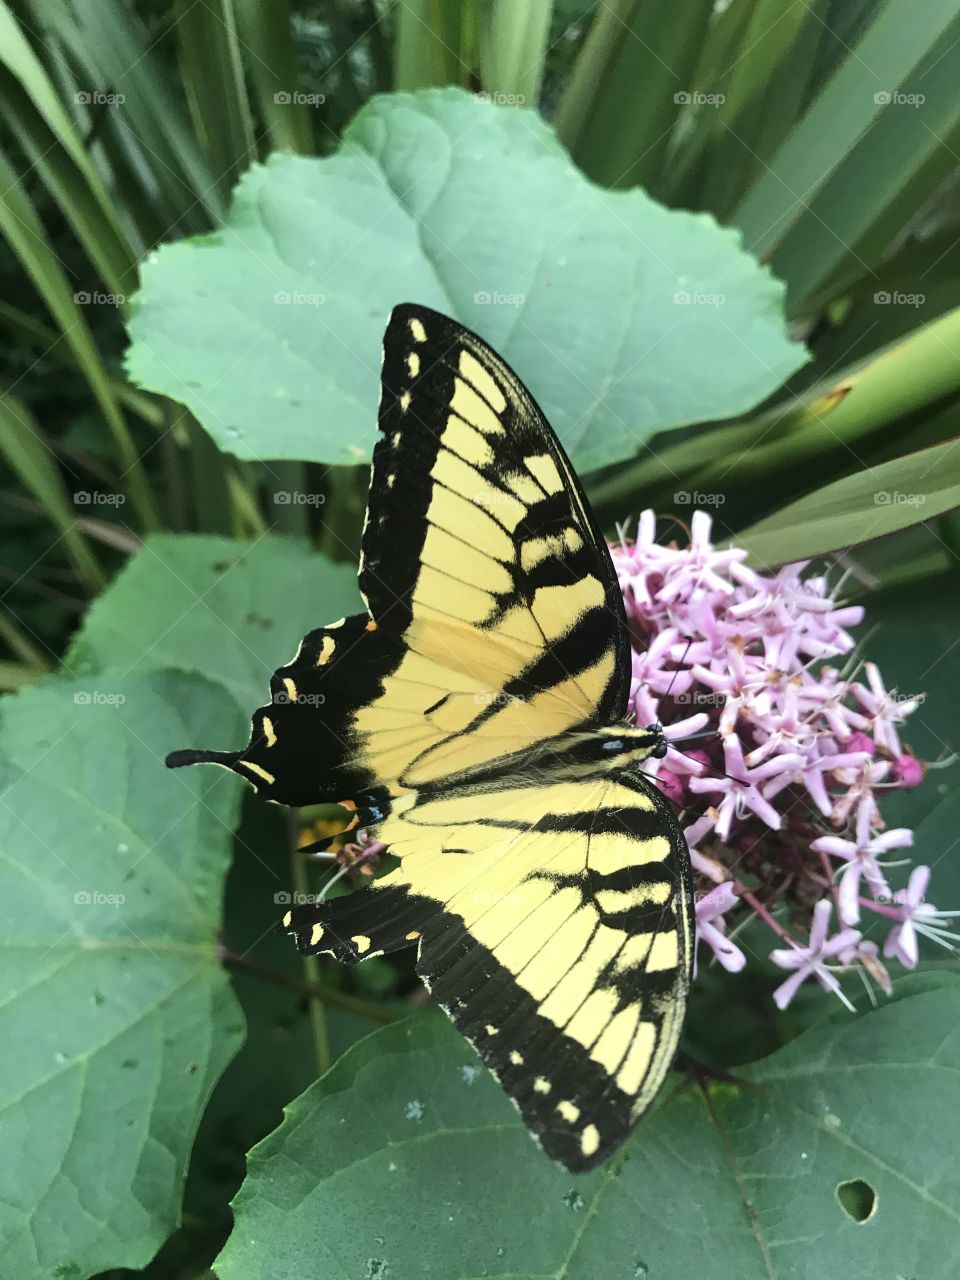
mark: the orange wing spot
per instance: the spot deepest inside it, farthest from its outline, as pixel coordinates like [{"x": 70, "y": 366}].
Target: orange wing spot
[
  {"x": 348, "y": 804},
  {"x": 371, "y": 625},
  {"x": 412, "y": 935}
]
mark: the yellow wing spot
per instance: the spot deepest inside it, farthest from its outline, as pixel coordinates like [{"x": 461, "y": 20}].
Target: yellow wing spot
[
  {"x": 412, "y": 935},
  {"x": 291, "y": 689},
  {"x": 544, "y": 470},
  {"x": 541, "y": 1085},
  {"x": 569, "y": 1110},
  {"x": 391, "y": 480},
  {"x": 590, "y": 1140},
  {"x": 417, "y": 331},
  {"x": 361, "y": 942},
  {"x": 327, "y": 647},
  {"x": 405, "y": 398},
  {"x": 255, "y": 768},
  {"x": 491, "y": 1030},
  {"x": 413, "y": 364},
  {"x": 316, "y": 934},
  {"x": 269, "y": 732},
  {"x": 474, "y": 372},
  {"x": 288, "y": 920},
  {"x": 516, "y": 1058}
]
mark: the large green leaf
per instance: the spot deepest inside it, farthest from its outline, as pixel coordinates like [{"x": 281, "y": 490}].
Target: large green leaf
[
  {"x": 116, "y": 1016},
  {"x": 624, "y": 317},
  {"x": 232, "y": 610},
  {"x": 407, "y": 1160}
]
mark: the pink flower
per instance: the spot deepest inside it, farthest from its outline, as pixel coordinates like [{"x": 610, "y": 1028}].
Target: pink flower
[
  {"x": 918, "y": 917},
  {"x": 712, "y": 928},
  {"x": 860, "y": 856},
  {"x": 810, "y": 962},
  {"x": 746, "y": 663}
]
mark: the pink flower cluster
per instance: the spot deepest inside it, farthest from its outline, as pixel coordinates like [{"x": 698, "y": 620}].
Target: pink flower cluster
[{"x": 795, "y": 743}]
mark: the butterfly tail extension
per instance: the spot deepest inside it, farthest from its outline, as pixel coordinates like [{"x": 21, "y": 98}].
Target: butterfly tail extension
[
  {"x": 304, "y": 741},
  {"x": 371, "y": 922}
]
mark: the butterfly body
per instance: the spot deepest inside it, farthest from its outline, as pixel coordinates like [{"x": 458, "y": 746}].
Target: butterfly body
[{"x": 475, "y": 718}]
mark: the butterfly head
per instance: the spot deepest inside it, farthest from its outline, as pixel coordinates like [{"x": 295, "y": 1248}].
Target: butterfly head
[{"x": 659, "y": 749}]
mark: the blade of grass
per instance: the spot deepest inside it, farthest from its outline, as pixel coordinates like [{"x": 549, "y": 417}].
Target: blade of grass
[
  {"x": 899, "y": 38},
  {"x": 270, "y": 57},
  {"x": 216, "y": 90},
  {"x": 25, "y": 233},
  {"x": 631, "y": 79},
  {"x": 49, "y": 137},
  {"x": 855, "y": 218},
  {"x": 28, "y": 455}
]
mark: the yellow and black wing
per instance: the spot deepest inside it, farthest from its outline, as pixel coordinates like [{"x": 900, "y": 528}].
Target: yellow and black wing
[
  {"x": 553, "y": 927},
  {"x": 495, "y": 618},
  {"x": 552, "y": 913}
]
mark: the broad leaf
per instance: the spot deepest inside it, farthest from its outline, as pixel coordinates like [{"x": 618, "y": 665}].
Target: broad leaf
[
  {"x": 232, "y": 610},
  {"x": 116, "y": 1016},
  {"x": 892, "y": 495},
  {"x": 624, "y": 317},
  {"x": 742, "y": 1180}
]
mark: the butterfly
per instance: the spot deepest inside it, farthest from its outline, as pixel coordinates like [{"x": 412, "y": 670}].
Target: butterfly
[{"x": 475, "y": 720}]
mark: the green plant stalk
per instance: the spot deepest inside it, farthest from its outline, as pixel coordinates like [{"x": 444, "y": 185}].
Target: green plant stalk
[
  {"x": 907, "y": 377},
  {"x": 513, "y": 47},
  {"x": 311, "y": 965},
  {"x": 428, "y": 44}
]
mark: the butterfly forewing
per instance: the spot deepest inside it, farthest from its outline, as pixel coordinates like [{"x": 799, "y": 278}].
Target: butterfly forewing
[{"x": 550, "y": 904}]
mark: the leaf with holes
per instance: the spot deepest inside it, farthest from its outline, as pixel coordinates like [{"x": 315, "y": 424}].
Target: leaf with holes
[
  {"x": 623, "y": 317},
  {"x": 833, "y": 1157},
  {"x": 116, "y": 1016},
  {"x": 229, "y": 609}
]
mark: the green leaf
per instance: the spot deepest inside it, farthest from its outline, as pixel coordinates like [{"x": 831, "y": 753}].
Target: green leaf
[
  {"x": 746, "y": 1174},
  {"x": 865, "y": 505},
  {"x": 229, "y": 609},
  {"x": 116, "y": 1015},
  {"x": 577, "y": 287}
]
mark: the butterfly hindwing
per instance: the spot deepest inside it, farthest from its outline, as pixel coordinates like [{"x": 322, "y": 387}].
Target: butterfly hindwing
[{"x": 559, "y": 945}]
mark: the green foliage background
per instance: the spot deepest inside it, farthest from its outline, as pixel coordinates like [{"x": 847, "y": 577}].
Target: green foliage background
[{"x": 719, "y": 243}]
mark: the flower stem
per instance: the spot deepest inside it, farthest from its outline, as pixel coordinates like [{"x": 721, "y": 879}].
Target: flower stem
[{"x": 311, "y": 966}]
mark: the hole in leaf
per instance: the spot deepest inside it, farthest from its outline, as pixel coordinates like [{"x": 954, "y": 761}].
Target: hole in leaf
[{"x": 857, "y": 1199}]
